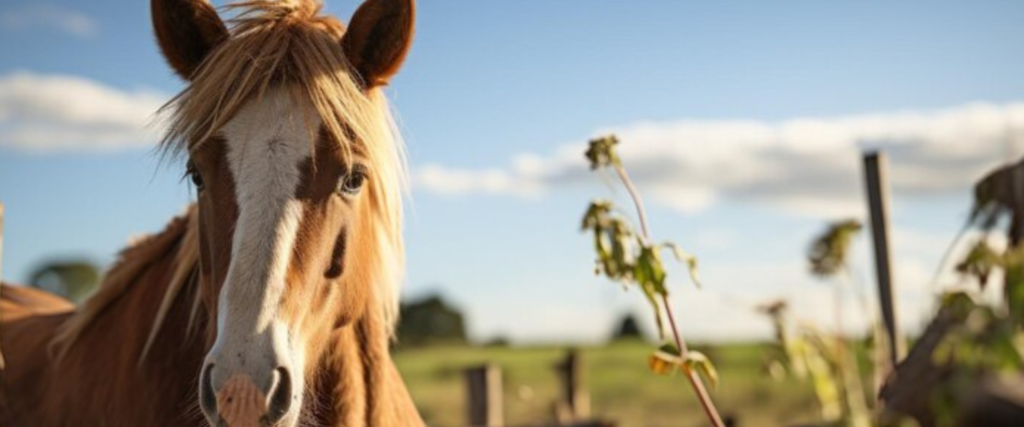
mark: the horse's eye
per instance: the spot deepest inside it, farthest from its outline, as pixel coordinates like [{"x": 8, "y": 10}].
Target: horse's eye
[
  {"x": 197, "y": 180},
  {"x": 195, "y": 176},
  {"x": 352, "y": 182}
]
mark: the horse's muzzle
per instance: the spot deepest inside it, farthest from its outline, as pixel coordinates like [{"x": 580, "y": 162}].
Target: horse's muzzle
[{"x": 239, "y": 402}]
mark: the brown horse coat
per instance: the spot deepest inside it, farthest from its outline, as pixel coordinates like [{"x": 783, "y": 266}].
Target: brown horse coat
[{"x": 100, "y": 382}]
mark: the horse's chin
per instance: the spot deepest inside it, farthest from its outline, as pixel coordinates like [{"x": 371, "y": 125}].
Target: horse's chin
[{"x": 291, "y": 420}]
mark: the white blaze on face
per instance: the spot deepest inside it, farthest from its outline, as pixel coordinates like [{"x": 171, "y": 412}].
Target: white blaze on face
[{"x": 268, "y": 142}]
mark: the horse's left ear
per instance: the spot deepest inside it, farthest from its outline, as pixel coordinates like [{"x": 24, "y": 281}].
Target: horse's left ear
[{"x": 379, "y": 37}]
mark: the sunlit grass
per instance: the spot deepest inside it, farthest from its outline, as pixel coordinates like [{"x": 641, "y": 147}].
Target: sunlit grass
[{"x": 621, "y": 386}]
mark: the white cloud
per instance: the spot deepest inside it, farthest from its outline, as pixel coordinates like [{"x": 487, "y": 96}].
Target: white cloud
[
  {"x": 33, "y": 16},
  {"x": 486, "y": 181},
  {"x": 46, "y": 113},
  {"x": 807, "y": 165}
]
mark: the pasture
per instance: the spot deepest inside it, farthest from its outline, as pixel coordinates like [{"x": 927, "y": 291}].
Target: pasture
[{"x": 621, "y": 387}]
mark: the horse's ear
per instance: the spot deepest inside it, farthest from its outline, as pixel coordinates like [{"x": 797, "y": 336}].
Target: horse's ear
[
  {"x": 187, "y": 30},
  {"x": 379, "y": 37}
]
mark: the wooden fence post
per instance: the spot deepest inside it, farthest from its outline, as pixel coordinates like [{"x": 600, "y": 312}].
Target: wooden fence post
[
  {"x": 575, "y": 403},
  {"x": 1, "y": 281},
  {"x": 483, "y": 396},
  {"x": 5, "y": 412},
  {"x": 876, "y": 167}
]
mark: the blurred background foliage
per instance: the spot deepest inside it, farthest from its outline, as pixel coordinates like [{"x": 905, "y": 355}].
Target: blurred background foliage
[
  {"x": 74, "y": 279},
  {"x": 628, "y": 328},
  {"x": 430, "y": 320}
]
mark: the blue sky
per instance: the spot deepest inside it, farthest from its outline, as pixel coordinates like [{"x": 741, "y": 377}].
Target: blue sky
[{"x": 741, "y": 120}]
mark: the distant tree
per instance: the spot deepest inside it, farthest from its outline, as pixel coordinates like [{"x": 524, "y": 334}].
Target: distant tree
[
  {"x": 73, "y": 279},
  {"x": 499, "y": 341},
  {"x": 628, "y": 328},
  {"x": 430, "y": 321}
]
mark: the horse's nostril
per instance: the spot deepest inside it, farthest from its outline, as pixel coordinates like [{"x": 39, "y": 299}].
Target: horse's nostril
[
  {"x": 280, "y": 396},
  {"x": 207, "y": 397}
]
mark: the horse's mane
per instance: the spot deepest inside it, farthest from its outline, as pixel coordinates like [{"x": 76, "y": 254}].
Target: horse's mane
[
  {"x": 179, "y": 238},
  {"x": 283, "y": 43}
]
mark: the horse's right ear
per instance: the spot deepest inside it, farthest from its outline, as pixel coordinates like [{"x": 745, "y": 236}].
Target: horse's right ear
[
  {"x": 378, "y": 38},
  {"x": 187, "y": 30}
]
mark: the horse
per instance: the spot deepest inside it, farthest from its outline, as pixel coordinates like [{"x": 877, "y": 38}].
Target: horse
[{"x": 272, "y": 300}]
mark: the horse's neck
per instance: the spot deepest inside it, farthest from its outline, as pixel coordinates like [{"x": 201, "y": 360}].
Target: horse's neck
[
  {"x": 358, "y": 384},
  {"x": 106, "y": 358}
]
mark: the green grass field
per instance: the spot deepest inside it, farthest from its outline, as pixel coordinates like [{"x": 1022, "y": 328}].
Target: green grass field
[{"x": 622, "y": 388}]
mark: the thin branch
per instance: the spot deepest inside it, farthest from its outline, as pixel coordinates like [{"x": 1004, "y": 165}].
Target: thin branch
[
  {"x": 695, "y": 381},
  {"x": 637, "y": 201},
  {"x": 698, "y": 385}
]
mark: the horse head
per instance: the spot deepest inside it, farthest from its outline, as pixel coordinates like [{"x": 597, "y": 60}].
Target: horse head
[{"x": 299, "y": 176}]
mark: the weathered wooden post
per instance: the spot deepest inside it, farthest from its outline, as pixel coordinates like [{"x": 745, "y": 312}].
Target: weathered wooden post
[
  {"x": 575, "y": 401},
  {"x": 876, "y": 168},
  {"x": 1, "y": 281},
  {"x": 5, "y": 412},
  {"x": 483, "y": 396}
]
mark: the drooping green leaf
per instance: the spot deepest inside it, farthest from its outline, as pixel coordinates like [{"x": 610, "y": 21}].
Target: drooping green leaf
[
  {"x": 829, "y": 252},
  {"x": 1013, "y": 285},
  {"x": 596, "y": 213},
  {"x": 697, "y": 361},
  {"x": 960, "y": 304},
  {"x": 613, "y": 240},
  {"x": 979, "y": 262},
  {"x": 649, "y": 275},
  {"x": 665, "y": 360},
  {"x": 649, "y": 270},
  {"x": 668, "y": 358},
  {"x": 660, "y": 366},
  {"x": 690, "y": 260}
]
